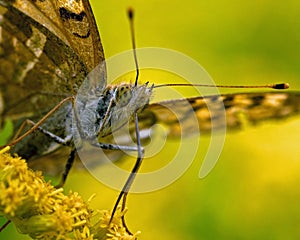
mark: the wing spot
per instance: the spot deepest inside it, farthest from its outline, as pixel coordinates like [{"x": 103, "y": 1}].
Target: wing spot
[{"x": 66, "y": 14}]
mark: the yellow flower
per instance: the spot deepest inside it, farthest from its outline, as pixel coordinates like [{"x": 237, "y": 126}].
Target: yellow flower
[{"x": 44, "y": 212}]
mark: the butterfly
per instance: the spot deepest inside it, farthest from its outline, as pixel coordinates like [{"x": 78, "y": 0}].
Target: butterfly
[{"x": 47, "y": 50}]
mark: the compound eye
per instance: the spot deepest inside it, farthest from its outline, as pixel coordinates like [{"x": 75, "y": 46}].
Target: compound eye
[{"x": 123, "y": 95}]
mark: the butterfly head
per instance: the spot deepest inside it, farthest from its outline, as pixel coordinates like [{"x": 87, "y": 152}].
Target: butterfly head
[
  {"x": 131, "y": 95},
  {"x": 122, "y": 101}
]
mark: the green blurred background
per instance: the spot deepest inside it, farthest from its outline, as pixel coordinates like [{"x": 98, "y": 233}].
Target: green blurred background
[{"x": 253, "y": 192}]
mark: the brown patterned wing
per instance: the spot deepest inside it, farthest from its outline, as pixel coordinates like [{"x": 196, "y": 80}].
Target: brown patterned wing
[
  {"x": 178, "y": 116},
  {"x": 71, "y": 21},
  {"x": 46, "y": 50}
]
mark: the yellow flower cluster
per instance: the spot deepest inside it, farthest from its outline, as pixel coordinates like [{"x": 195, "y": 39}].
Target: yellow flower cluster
[{"x": 44, "y": 212}]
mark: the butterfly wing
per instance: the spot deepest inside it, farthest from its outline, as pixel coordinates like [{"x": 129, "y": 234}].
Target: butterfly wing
[
  {"x": 72, "y": 22},
  {"x": 46, "y": 50},
  {"x": 187, "y": 116},
  {"x": 45, "y": 54}
]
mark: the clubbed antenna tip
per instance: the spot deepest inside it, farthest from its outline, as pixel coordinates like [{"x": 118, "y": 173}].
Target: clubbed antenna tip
[
  {"x": 281, "y": 86},
  {"x": 130, "y": 13}
]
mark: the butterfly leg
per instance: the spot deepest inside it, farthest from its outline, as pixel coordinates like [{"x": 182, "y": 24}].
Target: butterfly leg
[
  {"x": 38, "y": 124},
  {"x": 63, "y": 141},
  {"x": 5, "y": 225},
  {"x": 123, "y": 194},
  {"x": 66, "y": 142},
  {"x": 67, "y": 169},
  {"x": 109, "y": 146}
]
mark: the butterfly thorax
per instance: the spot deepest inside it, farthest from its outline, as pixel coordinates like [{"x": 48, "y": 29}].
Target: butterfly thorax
[{"x": 102, "y": 113}]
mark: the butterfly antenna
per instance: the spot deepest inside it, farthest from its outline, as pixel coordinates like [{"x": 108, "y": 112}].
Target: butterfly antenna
[
  {"x": 130, "y": 13},
  {"x": 278, "y": 86}
]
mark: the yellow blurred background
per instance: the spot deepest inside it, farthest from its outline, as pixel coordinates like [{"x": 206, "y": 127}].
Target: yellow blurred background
[{"x": 253, "y": 192}]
